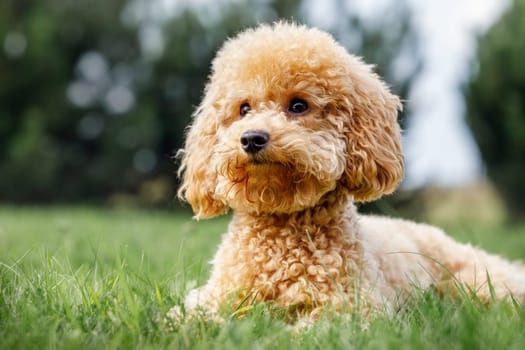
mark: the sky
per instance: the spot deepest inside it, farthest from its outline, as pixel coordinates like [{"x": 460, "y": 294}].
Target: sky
[
  {"x": 439, "y": 149},
  {"x": 438, "y": 145}
]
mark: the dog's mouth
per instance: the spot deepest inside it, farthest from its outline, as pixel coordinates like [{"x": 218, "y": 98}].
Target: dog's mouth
[
  {"x": 259, "y": 160},
  {"x": 264, "y": 167},
  {"x": 264, "y": 163}
]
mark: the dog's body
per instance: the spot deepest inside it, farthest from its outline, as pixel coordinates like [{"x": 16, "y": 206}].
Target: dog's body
[
  {"x": 291, "y": 131},
  {"x": 308, "y": 261}
]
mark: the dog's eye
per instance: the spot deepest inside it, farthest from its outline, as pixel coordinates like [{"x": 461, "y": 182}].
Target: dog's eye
[
  {"x": 298, "y": 106},
  {"x": 245, "y": 108}
]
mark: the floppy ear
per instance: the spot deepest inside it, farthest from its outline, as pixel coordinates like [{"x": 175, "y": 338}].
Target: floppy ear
[
  {"x": 198, "y": 179},
  {"x": 375, "y": 160}
]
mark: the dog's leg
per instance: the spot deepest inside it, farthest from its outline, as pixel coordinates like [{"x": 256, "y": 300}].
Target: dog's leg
[{"x": 489, "y": 276}]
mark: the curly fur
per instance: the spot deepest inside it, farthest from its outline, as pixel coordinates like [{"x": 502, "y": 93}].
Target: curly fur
[{"x": 296, "y": 238}]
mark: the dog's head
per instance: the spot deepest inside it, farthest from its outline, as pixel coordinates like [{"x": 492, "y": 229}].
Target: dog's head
[{"x": 287, "y": 116}]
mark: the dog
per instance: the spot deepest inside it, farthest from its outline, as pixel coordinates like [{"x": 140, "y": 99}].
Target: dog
[{"x": 291, "y": 132}]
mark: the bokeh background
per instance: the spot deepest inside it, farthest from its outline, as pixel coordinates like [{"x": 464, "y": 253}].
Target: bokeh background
[{"x": 95, "y": 95}]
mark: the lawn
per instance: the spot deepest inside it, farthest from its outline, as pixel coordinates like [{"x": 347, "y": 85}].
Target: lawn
[{"x": 75, "y": 277}]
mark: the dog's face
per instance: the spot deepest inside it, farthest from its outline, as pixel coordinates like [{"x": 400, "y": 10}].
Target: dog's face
[{"x": 288, "y": 115}]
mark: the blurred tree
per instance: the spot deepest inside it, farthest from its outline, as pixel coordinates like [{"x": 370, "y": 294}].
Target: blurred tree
[
  {"x": 53, "y": 122},
  {"x": 496, "y": 105}
]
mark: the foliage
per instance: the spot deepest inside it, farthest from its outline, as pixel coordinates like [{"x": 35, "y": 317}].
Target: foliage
[
  {"x": 496, "y": 105},
  {"x": 93, "y": 278},
  {"x": 92, "y": 108},
  {"x": 44, "y": 152}
]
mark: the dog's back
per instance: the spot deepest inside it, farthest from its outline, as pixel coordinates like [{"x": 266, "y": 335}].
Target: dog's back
[{"x": 436, "y": 259}]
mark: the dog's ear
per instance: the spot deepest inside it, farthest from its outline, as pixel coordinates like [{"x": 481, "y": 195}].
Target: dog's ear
[
  {"x": 198, "y": 179},
  {"x": 375, "y": 160}
]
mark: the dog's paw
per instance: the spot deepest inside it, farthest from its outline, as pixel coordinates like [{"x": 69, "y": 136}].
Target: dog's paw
[
  {"x": 174, "y": 318},
  {"x": 177, "y": 315}
]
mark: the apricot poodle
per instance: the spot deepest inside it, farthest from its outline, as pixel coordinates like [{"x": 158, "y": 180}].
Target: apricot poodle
[{"x": 292, "y": 130}]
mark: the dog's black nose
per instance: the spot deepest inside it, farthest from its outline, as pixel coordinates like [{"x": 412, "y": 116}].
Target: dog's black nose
[{"x": 254, "y": 141}]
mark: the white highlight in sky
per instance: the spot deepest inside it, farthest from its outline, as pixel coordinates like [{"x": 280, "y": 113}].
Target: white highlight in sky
[{"x": 438, "y": 145}]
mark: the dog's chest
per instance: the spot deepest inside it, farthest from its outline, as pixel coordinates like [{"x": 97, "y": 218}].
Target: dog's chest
[{"x": 305, "y": 264}]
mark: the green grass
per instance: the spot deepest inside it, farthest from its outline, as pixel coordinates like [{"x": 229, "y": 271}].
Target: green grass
[{"x": 96, "y": 278}]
